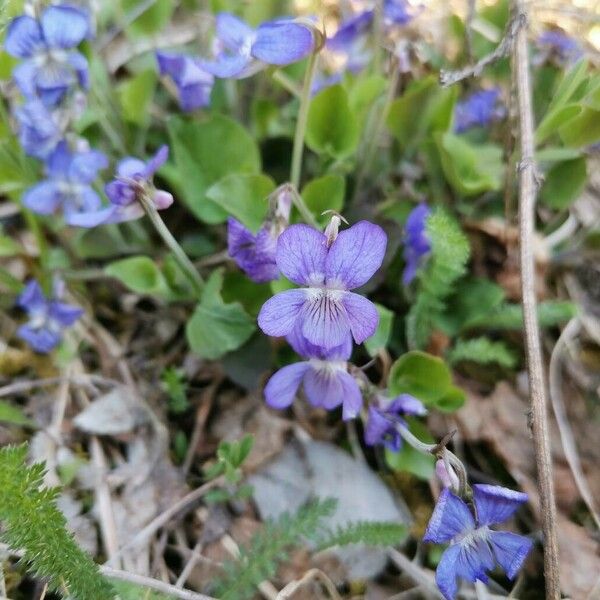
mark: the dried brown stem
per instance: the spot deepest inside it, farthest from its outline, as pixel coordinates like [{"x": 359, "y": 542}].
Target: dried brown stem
[
  {"x": 502, "y": 49},
  {"x": 154, "y": 584},
  {"x": 535, "y": 368}
]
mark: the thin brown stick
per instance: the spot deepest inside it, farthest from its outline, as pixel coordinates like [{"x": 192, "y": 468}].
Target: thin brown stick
[
  {"x": 185, "y": 503},
  {"x": 154, "y": 584},
  {"x": 502, "y": 49},
  {"x": 567, "y": 438},
  {"x": 535, "y": 367},
  {"x": 291, "y": 588}
]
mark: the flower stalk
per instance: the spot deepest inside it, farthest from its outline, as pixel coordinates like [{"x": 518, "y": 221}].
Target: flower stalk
[
  {"x": 297, "y": 151},
  {"x": 183, "y": 261}
]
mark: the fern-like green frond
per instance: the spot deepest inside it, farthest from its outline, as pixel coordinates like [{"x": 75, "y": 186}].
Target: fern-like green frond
[
  {"x": 482, "y": 351},
  {"x": 510, "y": 316},
  {"x": 445, "y": 265},
  {"x": 31, "y": 522},
  {"x": 268, "y": 548},
  {"x": 370, "y": 533}
]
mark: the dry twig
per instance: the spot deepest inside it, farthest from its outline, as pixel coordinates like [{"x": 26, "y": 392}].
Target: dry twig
[
  {"x": 535, "y": 368},
  {"x": 502, "y": 50},
  {"x": 291, "y": 588},
  {"x": 558, "y": 406},
  {"x": 154, "y": 584}
]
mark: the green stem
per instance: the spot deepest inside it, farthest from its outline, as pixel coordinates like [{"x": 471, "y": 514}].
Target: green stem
[
  {"x": 296, "y": 167},
  {"x": 454, "y": 461},
  {"x": 34, "y": 225},
  {"x": 287, "y": 83},
  {"x": 184, "y": 262}
]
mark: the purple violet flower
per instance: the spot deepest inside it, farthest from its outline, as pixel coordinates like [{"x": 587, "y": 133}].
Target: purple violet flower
[
  {"x": 325, "y": 309},
  {"x": 416, "y": 242},
  {"x": 242, "y": 51},
  {"x": 478, "y": 110},
  {"x": 396, "y": 12},
  {"x": 324, "y": 378},
  {"x": 256, "y": 254},
  {"x": 51, "y": 66},
  {"x": 39, "y": 132},
  {"x": 69, "y": 183},
  {"x": 566, "y": 48},
  {"x": 386, "y": 416},
  {"x": 352, "y": 29},
  {"x": 474, "y": 547},
  {"x": 47, "y": 318},
  {"x": 194, "y": 84},
  {"x": 134, "y": 177}
]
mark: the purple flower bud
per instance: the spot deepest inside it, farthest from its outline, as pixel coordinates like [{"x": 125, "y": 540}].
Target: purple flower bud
[
  {"x": 241, "y": 50},
  {"x": 474, "y": 547},
  {"x": 133, "y": 179},
  {"x": 385, "y": 417},
  {"x": 416, "y": 242},
  {"x": 325, "y": 309},
  {"x": 50, "y": 67},
  {"x": 47, "y": 318},
  {"x": 446, "y": 474},
  {"x": 324, "y": 378},
  {"x": 478, "y": 110},
  {"x": 194, "y": 84}
]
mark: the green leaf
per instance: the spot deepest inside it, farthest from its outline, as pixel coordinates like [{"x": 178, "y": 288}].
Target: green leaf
[
  {"x": 32, "y": 523},
  {"x": 244, "y": 197},
  {"x": 332, "y": 127},
  {"x": 583, "y": 130},
  {"x": 470, "y": 169},
  {"x": 259, "y": 559},
  {"x": 8, "y": 247},
  {"x": 408, "y": 459},
  {"x": 369, "y": 533},
  {"x": 324, "y": 193},
  {"x": 556, "y": 154},
  {"x": 135, "y": 96},
  {"x": 379, "y": 340},
  {"x": 423, "y": 108},
  {"x": 404, "y": 118},
  {"x": 420, "y": 374},
  {"x": 553, "y": 120},
  {"x": 482, "y": 351},
  {"x": 427, "y": 378},
  {"x": 13, "y": 415},
  {"x": 571, "y": 81},
  {"x": 510, "y": 316},
  {"x": 364, "y": 93},
  {"x": 564, "y": 183},
  {"x": 152, "y": 20},
  {"x": 216, "y": 328},
  {"x": 139, "y": 274},
  {"x": 445, "y": 265},
  {"x": 205, "y": 152},
  {"x": 473, "y": 297}
]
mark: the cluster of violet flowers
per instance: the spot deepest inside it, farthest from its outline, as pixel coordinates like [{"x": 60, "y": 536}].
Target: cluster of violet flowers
[
  {"x": 320, "y": 319},
  {"x": 238, "y": 51},
  {"x": 52, "y": 79},
  {"x": 351, "y": 49}
]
